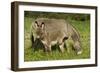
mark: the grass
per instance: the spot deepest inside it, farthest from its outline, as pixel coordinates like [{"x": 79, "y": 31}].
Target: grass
[{"x": 82, "y": 26}]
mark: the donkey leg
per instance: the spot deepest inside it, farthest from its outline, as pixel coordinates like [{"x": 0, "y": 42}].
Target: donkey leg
[
  {"x": 47, "y": 48},
  {"x": 61, "y": 45}
]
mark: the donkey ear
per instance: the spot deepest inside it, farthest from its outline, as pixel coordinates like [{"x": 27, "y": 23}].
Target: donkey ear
[
  {"x": 42, "y": 25},
  {"x": 36, "y": 24}
]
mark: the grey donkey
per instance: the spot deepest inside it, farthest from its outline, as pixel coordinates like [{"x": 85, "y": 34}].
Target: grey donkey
[{"x": 55, "y": 31}]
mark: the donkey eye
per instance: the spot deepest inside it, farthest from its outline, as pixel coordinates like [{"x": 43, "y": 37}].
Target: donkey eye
[{"x": 37, "y": 25}]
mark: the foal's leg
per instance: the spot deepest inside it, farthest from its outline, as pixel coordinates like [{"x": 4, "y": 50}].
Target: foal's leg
[{"x": 61, "y": 45}]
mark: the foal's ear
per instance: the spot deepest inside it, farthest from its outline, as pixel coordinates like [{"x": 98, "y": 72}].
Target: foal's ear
[
  {"x": 42, "y": 25},
  {"x": 36, "y": 24}
]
